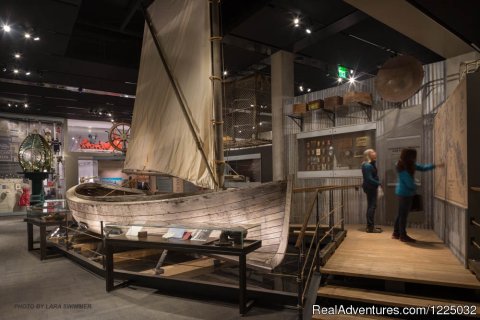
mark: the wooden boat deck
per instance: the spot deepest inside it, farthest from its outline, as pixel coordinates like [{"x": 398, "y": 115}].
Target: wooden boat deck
[{"x": 427, "y": 261}]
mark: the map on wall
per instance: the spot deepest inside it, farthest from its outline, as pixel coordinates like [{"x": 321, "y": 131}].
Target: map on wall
[{"x": 450, "y": 148}]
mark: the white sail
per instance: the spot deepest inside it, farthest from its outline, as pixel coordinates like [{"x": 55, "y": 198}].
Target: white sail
[{"x": 161, "y": 141}]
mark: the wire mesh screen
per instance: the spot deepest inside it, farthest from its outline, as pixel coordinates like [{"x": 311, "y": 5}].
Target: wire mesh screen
[{"x": 247, "y": 114}]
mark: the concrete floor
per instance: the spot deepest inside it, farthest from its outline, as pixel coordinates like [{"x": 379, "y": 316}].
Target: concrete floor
[{"x": 34, "y": 289}]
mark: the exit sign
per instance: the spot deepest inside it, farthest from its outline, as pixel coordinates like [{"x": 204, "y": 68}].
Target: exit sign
[{"x": 343, "y": 72}]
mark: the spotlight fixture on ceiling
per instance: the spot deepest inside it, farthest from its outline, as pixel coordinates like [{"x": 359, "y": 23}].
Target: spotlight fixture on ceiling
[
  {"x": 351, "y": 80},
  {"x": 112, "y": 120},
  {"x": 300, "y": 88},
  {"x": 6, "y": 28},
  {"x": 26, "y": 105},
  {"x": 28, "y": 73},
  {"x": 15, "y": 71},
  {"x": 36, "y": 39},
  {"x": 339, "y": 80},
  {"x": 9, "y": 104},
  {"x": 261, "y": 123},
  {"x": 296, "y": 22},
  {"x": 109, "y": 114},
  {"x": 225, "y": 72},
  {"x": 308, "y": 90},
  {"x": 308, "y": 31},
  {"x": 27, "y": 35},
  {"x": 17, "y": 55}
]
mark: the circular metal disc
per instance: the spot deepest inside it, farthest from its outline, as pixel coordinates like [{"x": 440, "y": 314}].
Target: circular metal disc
[{"x": 399, "y": 78}]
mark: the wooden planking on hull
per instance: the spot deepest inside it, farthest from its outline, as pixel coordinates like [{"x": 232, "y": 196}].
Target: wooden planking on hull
[{"x": 267, "y": 205}]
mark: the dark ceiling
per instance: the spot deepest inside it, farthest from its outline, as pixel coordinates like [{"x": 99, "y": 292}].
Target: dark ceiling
[{"x": 95, "y": 45}]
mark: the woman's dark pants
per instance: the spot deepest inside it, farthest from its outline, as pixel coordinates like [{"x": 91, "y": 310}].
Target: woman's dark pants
[
  {"x": 404, "y": 205},
  {"x": 371, "y": 205}
]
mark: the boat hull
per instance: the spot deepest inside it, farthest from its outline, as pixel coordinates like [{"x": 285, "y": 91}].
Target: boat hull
[{"x": 267, "y": 205}]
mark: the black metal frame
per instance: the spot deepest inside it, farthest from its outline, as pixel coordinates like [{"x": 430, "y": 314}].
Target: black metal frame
[
  {"x": 157, "y": 242},
  {"x": 42, "y": 226}
]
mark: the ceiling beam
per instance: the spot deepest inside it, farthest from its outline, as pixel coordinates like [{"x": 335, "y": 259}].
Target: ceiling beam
[
  {"x": 268, "y": 50},
  {"x": 408, "y": 20},
  {"x": 110, "y": 29},
  {"x": 130, "y": 14},
  {"x": 333, "y": 28}
]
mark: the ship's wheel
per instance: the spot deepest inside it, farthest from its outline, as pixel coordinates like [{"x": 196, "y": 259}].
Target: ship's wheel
[{"x": 119, "y": 136}]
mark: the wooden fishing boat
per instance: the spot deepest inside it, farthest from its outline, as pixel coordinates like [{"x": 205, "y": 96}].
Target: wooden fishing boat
[
  {"x": 179, "y": 93},
  {"x": 267, "y": 206}
]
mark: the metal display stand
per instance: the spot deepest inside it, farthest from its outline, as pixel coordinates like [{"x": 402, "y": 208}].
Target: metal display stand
[{"x": 200, "y": 247}]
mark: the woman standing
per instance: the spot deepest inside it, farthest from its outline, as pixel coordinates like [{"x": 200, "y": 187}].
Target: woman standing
[
  {"x": 370, "y": 185},
  {"x": 406, "y": 189}
]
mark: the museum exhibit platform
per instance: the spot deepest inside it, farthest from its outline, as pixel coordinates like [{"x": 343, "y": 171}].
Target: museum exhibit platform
[{"x": 377, "y": 270}]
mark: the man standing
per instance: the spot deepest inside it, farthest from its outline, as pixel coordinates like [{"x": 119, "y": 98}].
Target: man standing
[{"x": 370, "y": 186}]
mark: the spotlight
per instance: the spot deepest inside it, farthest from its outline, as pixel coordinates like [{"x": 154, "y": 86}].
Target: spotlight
[
  {"x": 36, "y": 39},
  {"x": 6, "y": 28},
  {"x": 15, "y": 71},
  {"x": 300, "y": 88},
  {"x": 112, "y": 120},
  {"x": 351, "y": 80},
  {"x": 261, "y": 123},
  {"x": 109, "y": 114},
  {"x": 9, "y": 104},
  {"x": 28, "y": 73},
  {"x": 252, "y": 105},
  {"x": 16, "y": 105},
  {"x": 239, "y": 131},
  {"x": 339, "y": 80},
  {"x": 27, "y": 36},
  {"x": 26, "y": 105},
  {"x": 100, "y": 112},
  {"x": 308, "y": 31},
  {"x": 253, "y": 127},
  {"x": 308, "y": 90},
  {"x": 351, "y": 71},
  {"x": 17, "y": 55},
  {"x": 296, "y": 21},
  {"x": 225, "y": 72}
]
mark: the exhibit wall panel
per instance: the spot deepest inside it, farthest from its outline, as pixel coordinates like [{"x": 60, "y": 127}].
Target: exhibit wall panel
[{"x": 426, "y": 100}]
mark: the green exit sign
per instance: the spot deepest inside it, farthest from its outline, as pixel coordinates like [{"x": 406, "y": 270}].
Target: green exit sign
[{"x": 343, "y": 72}]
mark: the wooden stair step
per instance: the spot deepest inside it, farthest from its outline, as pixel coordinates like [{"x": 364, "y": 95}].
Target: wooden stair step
[{"x": 386, "y": 298}]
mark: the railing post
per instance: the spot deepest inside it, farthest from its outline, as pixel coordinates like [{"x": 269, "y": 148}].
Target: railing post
[
  {"x": 342, "y": 211},
  {"x": 331, "y": 220},
  {"x": 300, "y": 282},
  {"x": 317, "y": 232},
  {"x": 103, "y": 244}
]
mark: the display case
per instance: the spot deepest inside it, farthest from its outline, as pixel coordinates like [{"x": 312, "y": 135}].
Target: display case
[
  {"x": 216, "y": 234},
  {"x": 334, "y": 150},
  {"x": 49, "y": 210}
]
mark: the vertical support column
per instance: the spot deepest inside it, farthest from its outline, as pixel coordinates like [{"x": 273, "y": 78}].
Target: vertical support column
[
  {"x": 152, "y": 181},
  {"x": 177, "y": 185},
  {"x": 282, "y": 88}
]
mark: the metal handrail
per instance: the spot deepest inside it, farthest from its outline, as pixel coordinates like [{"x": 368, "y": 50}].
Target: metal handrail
[
  {"x": 315, "y": 257},
  {"x": 315, "y": 235},
  {"x": 301, "y": 235},
  {"x": 475, "y": 223}
]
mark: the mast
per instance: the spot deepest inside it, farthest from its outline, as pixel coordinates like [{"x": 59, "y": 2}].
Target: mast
[{"x": 216, "y": 39}]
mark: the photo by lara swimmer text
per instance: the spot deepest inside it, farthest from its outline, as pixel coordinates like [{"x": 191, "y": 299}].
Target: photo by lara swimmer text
[{"x": 53, "y": 306}]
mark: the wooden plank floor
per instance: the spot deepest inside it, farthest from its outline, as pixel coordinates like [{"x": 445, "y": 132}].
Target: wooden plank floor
[{"x": 376, "y": 255}]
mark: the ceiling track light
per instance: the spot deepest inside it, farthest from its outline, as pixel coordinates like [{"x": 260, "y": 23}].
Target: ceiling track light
[
  {"x": 27, "y": 35},
  {"x": 15, "y": 71},
  {"x": 308, "y": 31},
  {"x": 339, "y": 80},
  {"x": 36, "y": 39},
  {"x": 17, "y": 55},
  {"x": 6, "y": 28}
]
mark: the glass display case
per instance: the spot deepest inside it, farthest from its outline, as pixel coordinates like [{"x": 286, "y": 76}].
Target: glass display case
[
  {"x": 217, "y": 234},
  {"x": 49, "y": 210},
  {"x": 334, "y": 150}
]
